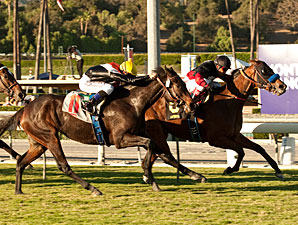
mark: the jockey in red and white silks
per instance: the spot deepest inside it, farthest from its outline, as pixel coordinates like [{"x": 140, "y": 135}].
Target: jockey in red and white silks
[{"x": 200, "y": 78}]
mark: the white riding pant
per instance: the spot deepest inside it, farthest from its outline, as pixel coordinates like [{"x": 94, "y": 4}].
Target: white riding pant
[{"x": 89, "y": 86}]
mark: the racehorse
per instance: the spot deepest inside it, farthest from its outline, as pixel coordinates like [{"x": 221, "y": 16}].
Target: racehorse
[
  {"x": 219, "y": 122},
  {"x": 11, "y": 87},
  {"x": 123, "y": 119}
]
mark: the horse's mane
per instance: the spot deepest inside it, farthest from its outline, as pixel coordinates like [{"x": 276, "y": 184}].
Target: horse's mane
[{"x": 236, "y": 72}]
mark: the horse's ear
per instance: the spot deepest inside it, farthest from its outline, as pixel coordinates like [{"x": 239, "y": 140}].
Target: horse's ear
[
  {"x": 253, "y": 61},
  {"x": 166, "y": 68}
]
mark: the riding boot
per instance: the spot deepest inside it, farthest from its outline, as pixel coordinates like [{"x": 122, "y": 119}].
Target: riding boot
[{"x": 94, "y": 101}]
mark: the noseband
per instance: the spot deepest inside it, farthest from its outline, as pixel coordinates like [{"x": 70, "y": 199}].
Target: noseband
[
  {"x": 268, "y": 82},
  {"x": 7, "y": 88}
]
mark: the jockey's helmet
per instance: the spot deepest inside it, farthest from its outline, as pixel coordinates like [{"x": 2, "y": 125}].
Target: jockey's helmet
[
  {"x": 70, "y": 49},
  {"x": 222, "y": 61},
  {"x": 129, "y": 67}
]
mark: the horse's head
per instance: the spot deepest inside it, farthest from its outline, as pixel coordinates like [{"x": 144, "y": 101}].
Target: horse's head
[
  {"x": 265, "y": 78},
  {"x": 176, "y": 89},
  {"x": 10, "y": 86}
]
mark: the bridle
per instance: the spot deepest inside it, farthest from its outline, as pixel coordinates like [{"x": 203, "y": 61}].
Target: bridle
[
  {"x": 166, "y": 86},
  {"x": 268, "y": 82},
  {"x": 7, "y": 88}
]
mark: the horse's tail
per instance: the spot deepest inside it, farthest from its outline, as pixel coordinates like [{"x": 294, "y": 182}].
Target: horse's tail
[{"x": 12, "y": 121}]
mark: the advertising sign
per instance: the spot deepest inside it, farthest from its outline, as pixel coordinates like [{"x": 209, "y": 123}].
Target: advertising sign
[{"x": 283, "y": 59}]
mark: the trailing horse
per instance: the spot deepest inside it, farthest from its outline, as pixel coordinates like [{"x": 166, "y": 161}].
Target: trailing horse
[
  {"x": 220, "y": 122},
  {"x": 11, "y": 87},
  {"x": 123, "y": 121}
]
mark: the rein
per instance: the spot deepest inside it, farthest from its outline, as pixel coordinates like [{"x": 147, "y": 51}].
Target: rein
[
  {"x": 242, "y": 99},
  {"x": 173, "y": 98},
  {"x": 6, "y": 87}
]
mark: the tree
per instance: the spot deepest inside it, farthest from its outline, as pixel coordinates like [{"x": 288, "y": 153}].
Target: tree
[
  {"x": 180, "y": 40},
  {"x": 287, "y": 14},
  {"x": 222, "y": 41}
]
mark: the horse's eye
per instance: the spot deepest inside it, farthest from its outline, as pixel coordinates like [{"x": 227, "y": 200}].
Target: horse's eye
[{"x": 263, "y": 71}]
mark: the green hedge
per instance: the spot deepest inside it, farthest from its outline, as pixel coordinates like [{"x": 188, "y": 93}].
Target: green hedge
[{"x": 139, "y": 59}]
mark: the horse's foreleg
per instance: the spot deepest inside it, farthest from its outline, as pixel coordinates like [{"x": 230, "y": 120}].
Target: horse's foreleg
[
  {"x": 147, "y": 164},
  {"x": 130, "y": 140},
  {"x": 169, "y": 159},
  {"x": 159, "y": 135},
  {"x": 246, "y": 143},
  {"x": 227, "y": 143}
]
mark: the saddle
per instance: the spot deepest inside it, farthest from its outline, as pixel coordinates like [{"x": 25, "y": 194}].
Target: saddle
[{"x": 73, "y": 105}]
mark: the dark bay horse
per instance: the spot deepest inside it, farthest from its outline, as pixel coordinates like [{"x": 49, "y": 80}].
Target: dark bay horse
[
  {"x": 13, "y": 90},
  {"x": 220, "y": 122},
  {"x": 123, "y": 116}
]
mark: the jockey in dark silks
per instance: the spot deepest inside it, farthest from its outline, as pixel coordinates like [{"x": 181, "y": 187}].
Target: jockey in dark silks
[
  {"x": 201, "y": 78},
  {"x": 102, "y": 80}
]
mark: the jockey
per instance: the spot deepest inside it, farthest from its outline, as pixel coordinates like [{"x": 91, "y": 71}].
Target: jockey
[
  {"x": 201, "y": 78},
  {"x": 75, "y": 54},
  {"x": 102, "y": 80}
]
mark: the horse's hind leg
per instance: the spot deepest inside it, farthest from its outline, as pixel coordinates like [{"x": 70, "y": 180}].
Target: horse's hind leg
[
  {"x": 35, "y": 151},
  {"x": 54, "y": 145},
  {"x": 246, "y": 143}
]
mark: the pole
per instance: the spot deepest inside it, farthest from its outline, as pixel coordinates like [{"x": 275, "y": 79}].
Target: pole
[
  {"x": 139, "y": 155},
  {"x": 194, "y": 33},
  {"x": 16, "y": 41},
  {"x": 49, "y": 53},
  {"x": 37, "y": 58},
  {"x": 153, "y": 34},
  {"x": 178, "y": 157},
  {"x": 101, "y": 155},
  {"x": 231, "y": 33}
]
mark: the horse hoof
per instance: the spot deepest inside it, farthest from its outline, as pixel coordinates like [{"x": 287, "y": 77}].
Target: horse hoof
[
  {"x": 96, "y": 193},
  {"x": 228, "y": 171},
  {"x": 198, "y": 177},
  {"x": 279, "y": 176},
  {"x": 155, "y": 187},
  {"x": 19, "y": 193},
  {"x": 203, "y": 179}
]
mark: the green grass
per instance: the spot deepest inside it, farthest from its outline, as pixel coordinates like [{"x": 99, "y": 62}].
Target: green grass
[{"x": 252, "y": 196}]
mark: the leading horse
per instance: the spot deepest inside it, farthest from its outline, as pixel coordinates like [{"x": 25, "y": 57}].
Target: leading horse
[
  {"x": 220, "y": 121},
  {"x": 13, "y": 90},
  {"x": 122, "y": 115}
]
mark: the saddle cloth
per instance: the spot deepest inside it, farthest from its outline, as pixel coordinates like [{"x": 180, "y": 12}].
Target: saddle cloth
[
  {"x": 73, "y": 105},
  {"x": 174, "y": 112}
]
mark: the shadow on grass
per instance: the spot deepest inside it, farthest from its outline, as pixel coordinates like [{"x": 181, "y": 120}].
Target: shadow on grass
[{"x": 124, "y": 175}]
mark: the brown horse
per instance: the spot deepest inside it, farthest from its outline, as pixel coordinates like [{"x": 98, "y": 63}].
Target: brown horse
[
  {"x": 11, "y": 87},
  {"x": 123, "y": 117},
  {"x": 220, "y": 122}
]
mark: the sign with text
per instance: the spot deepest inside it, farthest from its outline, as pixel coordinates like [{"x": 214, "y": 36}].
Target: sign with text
[{"x": 283, "y": 59}]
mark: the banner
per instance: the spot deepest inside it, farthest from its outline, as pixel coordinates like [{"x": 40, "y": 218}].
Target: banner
[{"x": 283, "y": 59}]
